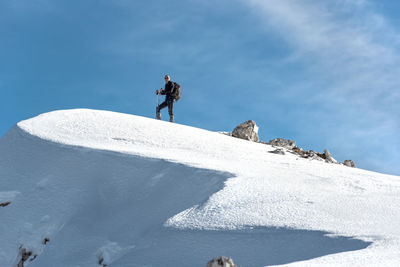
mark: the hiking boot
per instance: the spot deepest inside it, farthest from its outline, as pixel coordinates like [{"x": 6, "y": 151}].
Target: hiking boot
[{"x": 171, "y": 118}]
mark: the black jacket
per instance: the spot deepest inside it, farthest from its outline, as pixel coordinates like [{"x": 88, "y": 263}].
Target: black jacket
[{"x": 169, "y": 90}]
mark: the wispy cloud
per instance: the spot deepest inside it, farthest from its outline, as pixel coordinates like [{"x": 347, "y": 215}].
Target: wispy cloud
[{"x": 352, "y": 53}]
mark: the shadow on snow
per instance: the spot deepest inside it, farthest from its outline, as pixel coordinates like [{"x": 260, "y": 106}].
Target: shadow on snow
[
  {"x": 126, "y": 199},
  {"x": 251, "y": 247}
]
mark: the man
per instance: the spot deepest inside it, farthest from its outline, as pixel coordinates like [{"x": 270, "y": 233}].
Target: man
[{"x": 169, "y": 92}]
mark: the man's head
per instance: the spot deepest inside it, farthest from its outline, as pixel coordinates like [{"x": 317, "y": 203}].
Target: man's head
[{"x": 167, "y": 78}]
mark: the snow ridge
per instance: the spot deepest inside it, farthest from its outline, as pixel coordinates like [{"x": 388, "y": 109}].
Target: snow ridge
[{"x": 123, "y": 190}]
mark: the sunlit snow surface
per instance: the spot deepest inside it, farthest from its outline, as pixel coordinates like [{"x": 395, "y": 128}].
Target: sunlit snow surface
[{"x": 125, "y": 190}]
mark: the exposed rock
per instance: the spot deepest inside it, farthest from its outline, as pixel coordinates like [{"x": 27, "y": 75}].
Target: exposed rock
[
  {"x": 313, "y": 155},
  {"x": 45, "y": 241},
  {"x": 310, "y": 154},
  {"x": 297, "y": 150},
  {"x": 25, "y": 255},
  {"x": 321, "y": 156},
  {"x": 247, "y": 131},
  {"x": 286, "y": 143},
  {"x": 278, "y": 151},
  {"x": 5, "y": 204},
  {"x": 226, "y": 133},
  {"x": 221, "y": 262},
  {"x": 290, "y": 145},
  {"x": 328, "y": 157},
  {"x": 349, "y": 163},
  {"x": 101, "y": 262}
]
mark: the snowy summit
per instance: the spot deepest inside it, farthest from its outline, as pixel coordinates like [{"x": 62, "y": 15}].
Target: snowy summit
[{"x": 99, "y": 188}]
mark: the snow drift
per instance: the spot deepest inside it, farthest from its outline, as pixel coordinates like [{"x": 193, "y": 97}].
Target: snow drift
[{"x": 98, "y": 188}]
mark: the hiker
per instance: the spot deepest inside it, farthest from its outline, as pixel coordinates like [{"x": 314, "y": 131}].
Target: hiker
[{"x": 169, "y": 92}]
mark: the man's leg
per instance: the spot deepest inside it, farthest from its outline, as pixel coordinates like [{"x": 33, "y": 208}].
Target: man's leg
[
  {"x": 159, "y": 108},
  {"x": 170, "y": 110},
  {"x": 158, "y": 114}
]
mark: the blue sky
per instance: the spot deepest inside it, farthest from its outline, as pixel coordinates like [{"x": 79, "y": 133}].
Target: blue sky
[{"x": 323, "y": 73}]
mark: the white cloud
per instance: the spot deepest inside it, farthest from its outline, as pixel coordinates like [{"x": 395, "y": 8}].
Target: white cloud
[{"x": 352, "y": 53}]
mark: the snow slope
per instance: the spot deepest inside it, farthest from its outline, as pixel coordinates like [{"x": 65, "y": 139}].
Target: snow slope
[{"x": 122, "y": 190}]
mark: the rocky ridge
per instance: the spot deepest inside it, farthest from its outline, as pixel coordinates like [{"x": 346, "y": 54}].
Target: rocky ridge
[{"x": 249, "y": 131}]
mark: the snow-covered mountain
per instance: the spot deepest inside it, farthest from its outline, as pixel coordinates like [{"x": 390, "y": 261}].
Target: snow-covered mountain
[{"x": 98, "y": 188}]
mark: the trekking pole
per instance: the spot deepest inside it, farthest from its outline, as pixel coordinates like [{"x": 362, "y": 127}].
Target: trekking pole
[{"x": 157, "y": 103}]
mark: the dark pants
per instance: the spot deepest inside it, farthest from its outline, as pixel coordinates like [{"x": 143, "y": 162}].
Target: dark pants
[{"x": 167, "y": 103}]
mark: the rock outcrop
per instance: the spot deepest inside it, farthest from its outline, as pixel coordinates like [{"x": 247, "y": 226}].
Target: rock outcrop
[
  {"x": 278, "y": 151},
  {"x": 5, "y": 204},
  {"x": 281, "y": 142},
  {"x": 328, "y": 157},
  {"x": 247, "y": 130},
  {"x": 290, "y": 146},
  {"x": 221, "y": 262},
  {"x": 309, "y": 154},
  {"x": 25, "y": 255},
  {"x": 349, "y": 163},
  {"x": 226, "y": 133}
]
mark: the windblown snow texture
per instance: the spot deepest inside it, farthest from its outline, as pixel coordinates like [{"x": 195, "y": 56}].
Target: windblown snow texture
[{"x": 93, "y": 188}]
